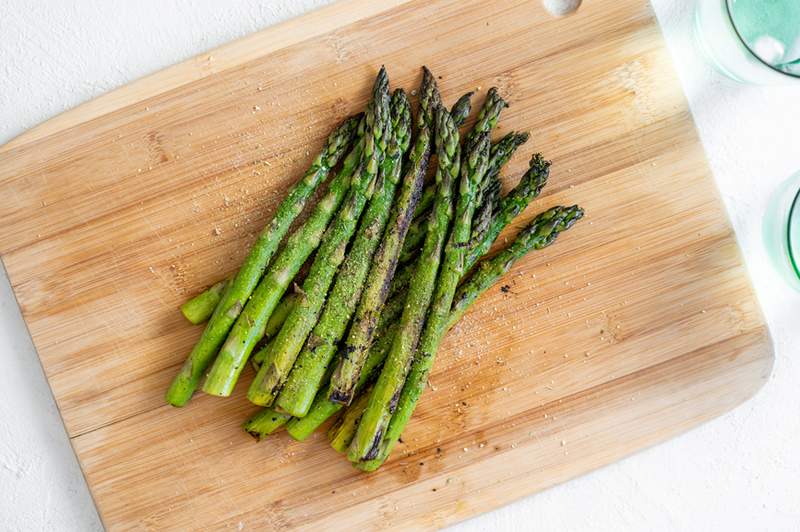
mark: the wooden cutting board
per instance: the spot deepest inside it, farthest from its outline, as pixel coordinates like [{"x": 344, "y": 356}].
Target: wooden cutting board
[{"x": 639, "y": 324}]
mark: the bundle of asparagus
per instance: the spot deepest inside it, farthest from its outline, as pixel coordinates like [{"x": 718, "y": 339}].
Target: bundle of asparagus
[{"x": 398, "y": 262}]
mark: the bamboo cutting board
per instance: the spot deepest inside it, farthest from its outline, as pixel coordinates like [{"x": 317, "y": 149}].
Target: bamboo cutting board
[{"x": 640, "y": 323}]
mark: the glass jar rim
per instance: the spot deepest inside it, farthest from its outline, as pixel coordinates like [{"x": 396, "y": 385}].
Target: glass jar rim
[
  {"x": 794, "y": 210},
  {"x": 747, "y": 46}
]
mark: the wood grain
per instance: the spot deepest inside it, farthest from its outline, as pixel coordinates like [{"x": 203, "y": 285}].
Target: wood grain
[{"x": 639, "y": 324}]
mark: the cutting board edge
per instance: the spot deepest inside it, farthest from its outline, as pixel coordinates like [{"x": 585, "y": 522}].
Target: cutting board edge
[{"x": 229, "y": 54}]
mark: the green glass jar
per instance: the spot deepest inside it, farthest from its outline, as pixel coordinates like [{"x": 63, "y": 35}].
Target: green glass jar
[
  {"x": 782, "y": 230},
  {"x": 753, "y": 41}
]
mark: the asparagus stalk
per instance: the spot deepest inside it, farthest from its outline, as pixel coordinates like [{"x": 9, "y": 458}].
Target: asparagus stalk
[
  {"x": 414, "y": 239},
  {"x": 541, "y": 232},
  {"x": 305, "y": 312},
  {"x": 424, "y": 205},
  {"x": 341, "y": 433},
  {"x": 310, "y": 367},
  {"x": 229, "y": 309},
  {"x": 460, "y": 111},
  {"x": 529, "y": 187},
  {"x": 380, "y": 275},
  {"x": 265, "y": 422},
  {"x": 500, "y": 154},
  {"x": 398, "y": 361},
  {"x": 198, "y": 309}
]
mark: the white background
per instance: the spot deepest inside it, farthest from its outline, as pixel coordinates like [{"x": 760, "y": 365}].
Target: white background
[{"x": 738, "y": 472}]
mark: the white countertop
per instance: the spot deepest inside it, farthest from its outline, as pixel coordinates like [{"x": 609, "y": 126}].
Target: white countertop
[{"x": 738, "y": 472}]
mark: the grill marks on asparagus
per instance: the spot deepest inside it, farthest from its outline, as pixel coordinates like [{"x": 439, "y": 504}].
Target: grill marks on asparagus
[
  {"x": 487, "y": 119},
  {"x": 310, "y": 367},
  {"x": 398, "y": 361},
  {"x": 380, "y": 275},
  {"x": 290, "y": 339}
]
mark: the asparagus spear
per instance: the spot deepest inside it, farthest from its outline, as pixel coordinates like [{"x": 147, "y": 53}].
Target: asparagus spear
[
  {"x": 310, "y": 367},
  {"x": 185, "y": 383},
  {"x": 265, "y": 422},
  {"x": 541, "y": 232},
  {"x": 529, "y": 186},
  {"x": 380, "y": 275},
  {"x": 503, "y": 150},
  {"x": 200, "y": 307},
  {"x": 487, "y": 118},
  {"x": 460, "y": 111},
  {"x": 424, "y": 205},
  {"x": 342, "y": 431},
  {"x": 398, "y": 361},
  {"x": 306, "y": 310},
  {"x": 414, "y": 239},
  {"x": 485, "y": 208}
]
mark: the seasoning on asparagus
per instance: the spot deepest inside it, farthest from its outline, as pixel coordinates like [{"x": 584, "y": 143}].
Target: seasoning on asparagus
[
  {"x": 236, "y": 297},
  {"x": 367, "y": 445},
  {"x": 493, "y": 105},
  {"x": 398, "y": 361},
  {"x": 541, "y": 232},
  {"x": 310, "y": 367},
  {"x": 382, "y": 272},
  {"x": 305, "y": 312}
]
